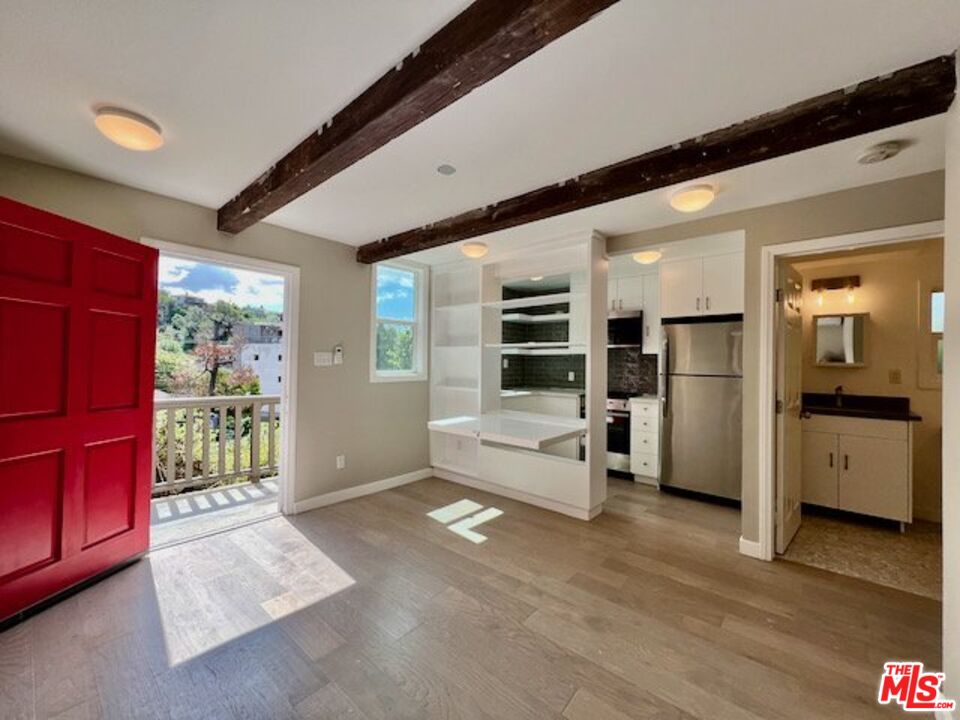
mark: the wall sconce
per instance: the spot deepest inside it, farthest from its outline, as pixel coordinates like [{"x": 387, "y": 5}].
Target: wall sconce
[{"x": 848, "y": 283}]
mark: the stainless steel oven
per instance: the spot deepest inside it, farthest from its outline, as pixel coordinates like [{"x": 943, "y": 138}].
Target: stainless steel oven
[{"x": 618, "y": 434}]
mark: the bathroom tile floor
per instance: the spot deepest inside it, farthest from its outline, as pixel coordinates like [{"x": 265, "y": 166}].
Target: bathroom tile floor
[{"x": 873, "y": 550}]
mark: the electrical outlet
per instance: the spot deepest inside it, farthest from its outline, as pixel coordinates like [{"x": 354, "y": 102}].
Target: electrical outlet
[
  {"x": 341, "y": 462},
  {"x": 571, "y": 376},
  {"x": 338, "y": 355},
  {"x": 506, "y": 363},
  {"x": 895, "y": 376}
]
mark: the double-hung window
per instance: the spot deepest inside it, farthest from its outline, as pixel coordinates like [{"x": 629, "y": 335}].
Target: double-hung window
[{"x": 399, "y": 328}]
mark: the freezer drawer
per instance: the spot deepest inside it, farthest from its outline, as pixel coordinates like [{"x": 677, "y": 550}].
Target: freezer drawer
[{"x": 701, "y": 435}]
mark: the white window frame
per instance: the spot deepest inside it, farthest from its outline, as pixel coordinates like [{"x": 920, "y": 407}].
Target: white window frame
[{"x": 420, "y": 324}]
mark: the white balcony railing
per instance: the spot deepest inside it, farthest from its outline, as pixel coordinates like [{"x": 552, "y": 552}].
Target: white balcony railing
[{"x": 202, "y": 441}]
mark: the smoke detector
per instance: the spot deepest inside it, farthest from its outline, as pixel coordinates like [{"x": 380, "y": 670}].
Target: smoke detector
[{"x": 880, "y": 152}]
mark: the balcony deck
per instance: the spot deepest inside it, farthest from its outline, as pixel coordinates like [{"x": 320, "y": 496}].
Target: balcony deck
[{"x": 177, "y": 518}]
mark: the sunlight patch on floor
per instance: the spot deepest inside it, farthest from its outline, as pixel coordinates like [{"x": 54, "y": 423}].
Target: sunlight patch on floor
[
  {"x": 464, "y": 525},
  {"x": 193, "y": 587}
]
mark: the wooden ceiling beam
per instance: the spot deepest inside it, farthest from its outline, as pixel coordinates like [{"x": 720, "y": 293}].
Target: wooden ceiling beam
[
  {"x": 909, "y": 94},
  {"x": 486, "y": 39}
]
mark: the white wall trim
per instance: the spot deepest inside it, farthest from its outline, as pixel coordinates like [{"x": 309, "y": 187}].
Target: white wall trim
[
  {"x": 350, "y": 493},
  {"x": 769, "y": 254},
  {"x": 519, "y": 495},
  {"x": 751, "y": 548},
  {"x": 291, "y": 332}
]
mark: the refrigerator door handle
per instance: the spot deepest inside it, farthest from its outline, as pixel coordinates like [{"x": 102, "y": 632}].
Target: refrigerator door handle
[{"x": 665, "y": 373}]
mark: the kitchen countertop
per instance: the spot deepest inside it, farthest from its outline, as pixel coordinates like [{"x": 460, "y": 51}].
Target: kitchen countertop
[
  {"x": 518, "y": 429},
  {"x": 877, "y": 407},
  {"x": 646, "y": 396},
  {"x": 546, "y": 392}
]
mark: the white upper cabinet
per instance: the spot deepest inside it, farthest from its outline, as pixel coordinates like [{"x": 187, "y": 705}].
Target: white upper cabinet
[
  {"x": 709, "y": 285},
  {"x": 629, "y": 295},
  {"x": 680, "y": 287},
  {"x": 723, "y": 284}
]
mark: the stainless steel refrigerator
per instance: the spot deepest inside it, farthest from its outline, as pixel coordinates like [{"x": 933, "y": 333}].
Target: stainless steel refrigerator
[{"x": 701, "y": 390}]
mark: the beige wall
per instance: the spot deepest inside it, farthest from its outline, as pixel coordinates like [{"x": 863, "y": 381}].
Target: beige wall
[
  {"x": 899, "y": 202},
  {"x": 380, "y": 427},
  {"x": 894, "y": 340}
]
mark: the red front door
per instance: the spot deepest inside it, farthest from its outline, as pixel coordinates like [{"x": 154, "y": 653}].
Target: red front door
[{"x": 77, "y": 323}]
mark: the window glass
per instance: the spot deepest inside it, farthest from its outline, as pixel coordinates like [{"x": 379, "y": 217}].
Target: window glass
[
  {"x": 936, "y": 311},
  {"x": 396, "y": 293},
  {"x": 399, "y": 337}
]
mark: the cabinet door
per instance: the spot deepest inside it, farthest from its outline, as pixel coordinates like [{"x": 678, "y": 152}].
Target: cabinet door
[
  {"x": 630, "y": 290},
  {"x": 680, "y": 284},
  {"x": 723, "y": 284},
  {"x": 651, "y": 314},
  {"x": 613, "y": 294},
  {"x": 874, "y": 477},
  {"x": 819, "y": 460}
]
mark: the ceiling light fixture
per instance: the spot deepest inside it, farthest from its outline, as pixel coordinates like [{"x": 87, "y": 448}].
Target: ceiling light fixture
[
  {"x": 475, "y": 250},
  {"x": 128, "y": 129},
  {"x": 881, "y": 151},
  {"x": 446, "y": 169},
  {"x": 693, "y": 197},
  {"x": 536, "y": 278},
  {"x": 647, "y": 257}
]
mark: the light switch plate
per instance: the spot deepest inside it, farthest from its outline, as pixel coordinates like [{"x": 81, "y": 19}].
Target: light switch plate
[
  {"x": 341, "y": 462},
  {"x": 322, "y": 359}
]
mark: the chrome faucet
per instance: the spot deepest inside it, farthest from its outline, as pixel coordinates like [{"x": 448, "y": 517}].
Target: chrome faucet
[{"x": 838, "y": 394}]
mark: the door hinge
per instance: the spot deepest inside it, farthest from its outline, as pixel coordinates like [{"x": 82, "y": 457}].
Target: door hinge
[
  {"x": 778, "y": 295},
  {"x": 778, "y": 406}
]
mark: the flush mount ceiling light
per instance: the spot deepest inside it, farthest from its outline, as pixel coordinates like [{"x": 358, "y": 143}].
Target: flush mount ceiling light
[
  {"x": 474, "y": 250},
  {"x": 128, "y": 129},
  {"x": 647, "y": 257},
  {"x": 693, "y": 197},
  {"x": 880, "y": 152},
  {"x": 536, "y": 278},
  {"x": 446, "y": 169}
]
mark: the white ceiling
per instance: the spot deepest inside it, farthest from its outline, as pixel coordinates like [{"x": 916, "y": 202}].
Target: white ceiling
[
  {"x": 236, "y": 83},
  {"x": 824, "y": 169}
]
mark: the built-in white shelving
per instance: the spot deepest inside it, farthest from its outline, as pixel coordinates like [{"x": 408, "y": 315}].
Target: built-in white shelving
[
  {"x": 532, "y": 301},
  {"x": 535, "y": 319}
]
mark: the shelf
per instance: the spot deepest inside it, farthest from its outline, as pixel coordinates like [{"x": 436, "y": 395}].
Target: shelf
[
  {"x": 456, "y": 388},
  {"x": 534, "y": 319},
  {"x": 464, "y": 425},
  {"x": 528, "y": 345},
  {"x": 455, "y": 346},
  {"x": 535, "y": 301},
  {"x": 458, "y": 306},
  {"x": 542, "y": 349},
  {"x": 531, "y": 431}
]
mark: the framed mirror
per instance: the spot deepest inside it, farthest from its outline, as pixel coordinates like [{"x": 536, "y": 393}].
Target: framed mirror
[{"x": 839, "y": 340}]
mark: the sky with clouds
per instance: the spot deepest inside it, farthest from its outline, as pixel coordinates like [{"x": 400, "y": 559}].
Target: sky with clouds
[
  {"x": 216, "y": 282},
  {"x": 396, "y": 293}
]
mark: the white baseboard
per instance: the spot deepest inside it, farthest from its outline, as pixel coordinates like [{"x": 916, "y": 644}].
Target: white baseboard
[
  {"x": 318, "y": 501},
  {"x": 751, "y": 548},
  {"x": 494, "y": 489}
]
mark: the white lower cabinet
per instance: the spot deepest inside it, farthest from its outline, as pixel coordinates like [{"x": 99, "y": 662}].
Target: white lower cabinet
[
  {"x": 859, "y": 465},
  {"x": 645, "y": 438}
]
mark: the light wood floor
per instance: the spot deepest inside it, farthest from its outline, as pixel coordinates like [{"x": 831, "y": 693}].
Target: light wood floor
[{"x": 370, "y": 609}]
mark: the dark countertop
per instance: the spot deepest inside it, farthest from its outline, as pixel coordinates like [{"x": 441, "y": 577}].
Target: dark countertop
[{"x": 877, "y": 407}]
